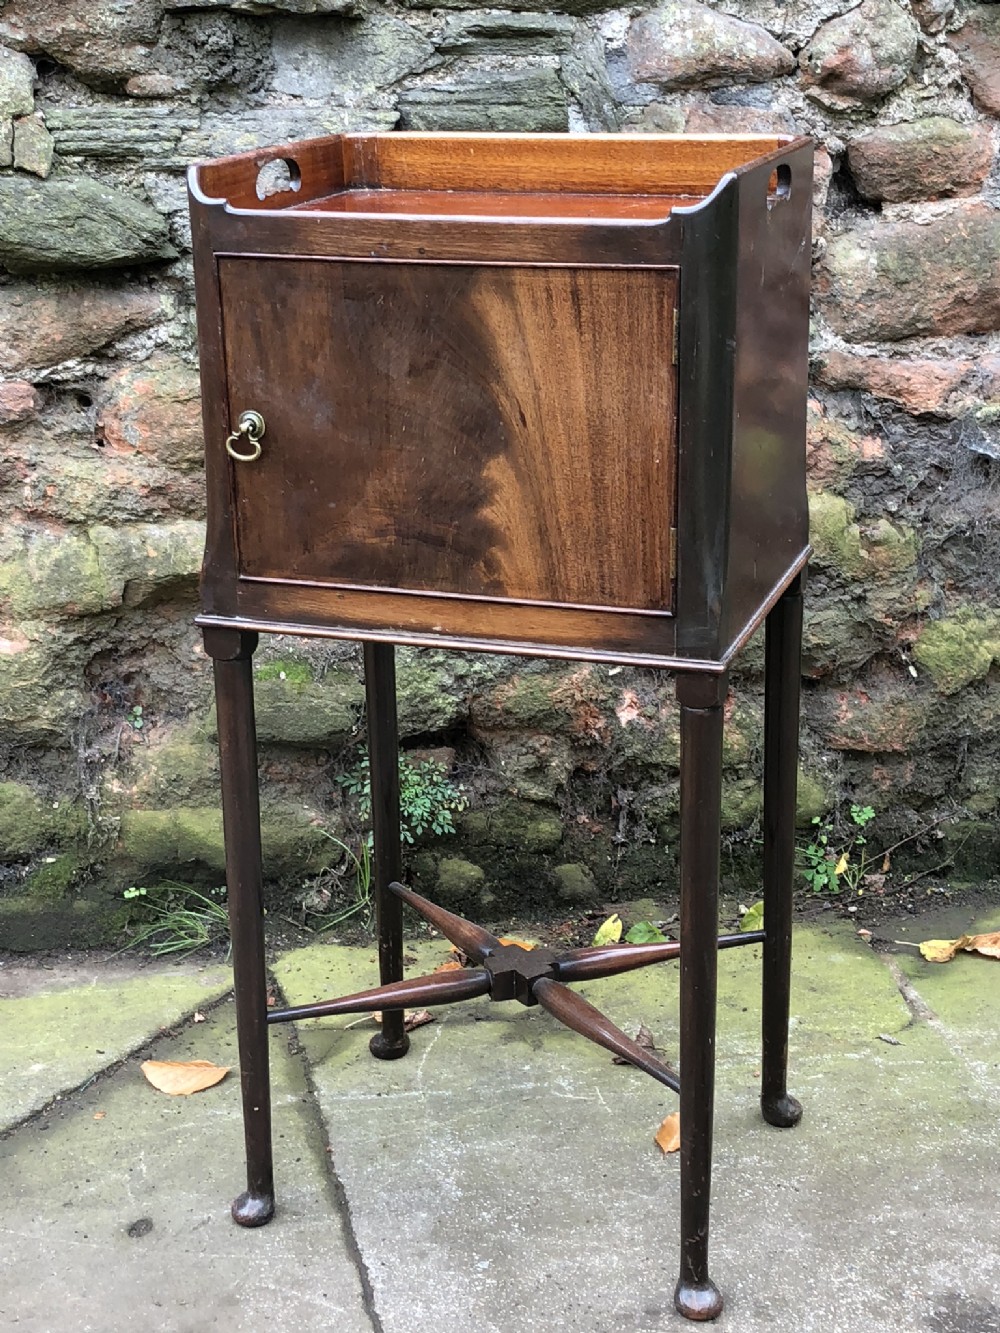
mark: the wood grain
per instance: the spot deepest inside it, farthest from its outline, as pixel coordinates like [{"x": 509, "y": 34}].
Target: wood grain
[{"x": 492, "y": 432}]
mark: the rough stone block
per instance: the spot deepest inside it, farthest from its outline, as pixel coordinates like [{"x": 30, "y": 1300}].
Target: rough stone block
[
  {"x": 922, "y": 159},
  {"x": 919, "y": 385},
  {"x": 933, "y": 15},
  {"x": 6, "y": 143},
  {"x": 862, "y": 55},
  {"x": 881, "y": 717},
  {"x": 530, "y": 98},
  {"x": 960, "y": 648},
  {"x": 576, "y": 7},
  {"x": 429, "y": 695},
  {"x": 33, "y": 147},
  {"x": 323, "y": 714},
  {"x": 42, "y": 326},
  {"x": 574, "y": 883},
  {"x": 240, "y": 131},
  {"x": 491, "y": 34},
  {"x": 344, "y": 63},
  {"x": 41, "y": 699},
  {"x": 710, "y": 118},
  {"x": 684, "y": 44},
  {"x": 977, "y": 44},
  {"x": 100, "y": 40},
  {"x": 345, "y": 8},
  {"x": 907, "y": 279},
  {"x": 30, "y": 823},
  {"x": 872, "y": 551},
  {"x": 76, "y": 223},
  {"x": 99, "y": 568},
  {"x": 19, "y": 400},
  {"x": 154, "y": 409},
  {"x": 459, "y": 881},
  {"x": 17, "y": 83},
  {"x": 113, "y": 132}
]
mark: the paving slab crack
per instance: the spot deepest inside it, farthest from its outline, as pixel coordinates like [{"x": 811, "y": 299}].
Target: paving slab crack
[{"x": 338, "y": 1194}]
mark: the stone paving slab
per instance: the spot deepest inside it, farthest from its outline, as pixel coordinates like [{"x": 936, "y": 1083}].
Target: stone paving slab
[
  {"x": 121, "y": 1155},
  {"x": 61, "y": 1026},
  {"x": 506, "y": 1169}
]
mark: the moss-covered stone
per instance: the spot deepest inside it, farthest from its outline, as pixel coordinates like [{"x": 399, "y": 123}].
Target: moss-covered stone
[
  {"x": 27, "y": 925},
  {"x": 574, "y": 883},
  {"x": 292, "y": 669},
  {"x": 813, "y": 798},
  {"x": 52, "y": 879},
  {"x": 168, "y": 842},
  {"x": 959, "y": 649},
  {"x": 429, "y": 698},
  {"x": 741, "y": 803},
  {"x": 39, "y": 704},
  {"x": 309, "y": 713},
  {"x": 460, "y": 881},
  {"x": 99, "y": 568},
  {"x": 512, "y": 824},
  {"x": 29, "y": 824},
  {"x": 183, "y": 771}
]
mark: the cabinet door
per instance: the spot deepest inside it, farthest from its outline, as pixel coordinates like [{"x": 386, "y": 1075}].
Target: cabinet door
[{"x": 486, "y": 431}]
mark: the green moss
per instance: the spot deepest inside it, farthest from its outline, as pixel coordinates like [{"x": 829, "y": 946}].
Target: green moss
[
  {"x": 840, "y": 542},
  {"x": 29, "y": 824},
  {"x": 574, "y": 883},
  {"x": 308, "y": 713},
  {"x": 460, "y": 881},
  {"x": 959, "y": 649},
  {"x": 514, "y": 824},
  {"x": 813, "y": 798},
  {"x": 27, "y": 925},
  {"x": 741, "y": 803},
  {"x": 294, "y": 670},
  {"x": 183, "y": 771},
  {"x": 428, "y": 696},
  {"x": 52, "y": 879}
]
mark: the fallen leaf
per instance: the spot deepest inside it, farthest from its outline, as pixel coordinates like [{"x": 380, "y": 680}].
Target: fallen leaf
[
  {"x": 416, "y": 1018},
  {"x": 988, "y": 945},
  {"x": 886, "y": 864},
  {"x": 889, "y": 1039},
  {"x": 452, "y": 965},
  {"x": 644, "y": 932},
  {"x": 509, "y": 939},
  {"x": 842, "y": 864},
  {"x": 99, "y": 1115},
  {"x": 198, "y": 1018},
  {"x": 753, "y": 917},
  {"x": 412, "y": 1018},
  {"x": 668, "y": 1136},
  {"x": 643, "y": 1038},
  {"x": 943, "y": 951},
  {"x": 610, "y": 932},
  {"x": 179, "y": 1078}
]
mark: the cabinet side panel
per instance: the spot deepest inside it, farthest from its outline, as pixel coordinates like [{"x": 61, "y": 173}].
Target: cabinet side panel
[
  {"x": 499, "y": 432},
  {"x": 769, "y": 516}
]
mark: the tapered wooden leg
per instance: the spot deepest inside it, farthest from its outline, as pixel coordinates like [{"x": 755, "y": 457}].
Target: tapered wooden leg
[
  {"x": 701, "y": 699},
  {"x": 387, "y": 864},
  {"x": 232, "y": 651},
  {"x": 783, "y": 653}
]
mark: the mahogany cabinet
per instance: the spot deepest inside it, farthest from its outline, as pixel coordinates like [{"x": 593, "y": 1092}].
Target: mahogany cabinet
[{"x": 516, "y": 393}]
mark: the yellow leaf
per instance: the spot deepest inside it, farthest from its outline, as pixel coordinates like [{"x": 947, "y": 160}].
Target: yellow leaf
[
  {"x": 842, "y": 864},
  {"x": 509, "y": 939},
  {"x": 452, "y": 965},
  {"x": 988, "y": 945},
  {"x": 753, "y": 917},
  {"x": 668, "y": 1136},
  {"x": 179, "y": 1078},
  {"x": 610, "y": 932},
  {"x": 943, "y": 951}
]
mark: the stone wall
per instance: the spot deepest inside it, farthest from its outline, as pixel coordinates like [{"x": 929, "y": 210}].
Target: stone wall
[{"x": 108, "y": 770}]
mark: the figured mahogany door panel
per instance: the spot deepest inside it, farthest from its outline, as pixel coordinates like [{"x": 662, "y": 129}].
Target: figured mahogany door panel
[{"x": 490, "y": 431}]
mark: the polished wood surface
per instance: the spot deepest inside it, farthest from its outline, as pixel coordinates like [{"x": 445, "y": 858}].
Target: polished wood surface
[
  {"x": 525, "y": 163},
  {"x": 500, "y": 432},
  {"x": 497, "y": 203}
]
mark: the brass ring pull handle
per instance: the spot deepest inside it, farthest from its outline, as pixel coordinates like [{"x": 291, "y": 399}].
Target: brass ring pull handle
[{"x": 250, "y": 427}]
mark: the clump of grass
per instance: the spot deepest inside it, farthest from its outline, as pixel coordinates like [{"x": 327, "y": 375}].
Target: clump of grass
[{"x": 176, "y": 919}]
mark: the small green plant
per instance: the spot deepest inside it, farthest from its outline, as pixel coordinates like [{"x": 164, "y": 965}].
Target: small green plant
[
  {"x": 355, "y": 866},
  {"x": 428, "y": 799},
  {"x": 831, "y": 862},
  {"x": 134, "y": 717},
  {"x": 176, "y": 918}
]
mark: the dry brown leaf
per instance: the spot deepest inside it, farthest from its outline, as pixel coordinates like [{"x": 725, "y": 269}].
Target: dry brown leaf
[
  {"x": 99, "y": 1115},
  {"x": 452, "y": 965},
  {"x": 412, "y": 1018},
  {"x": 668, "y": 1136},
  {"x": 988, "y": 945},
  {"x": 943, "y": 951},
  {"x": 179, "y": 1078},
  {"x": 509, "y": 939},
  {"x": 643, "y": 1038}
]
